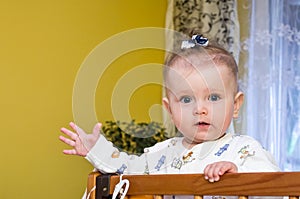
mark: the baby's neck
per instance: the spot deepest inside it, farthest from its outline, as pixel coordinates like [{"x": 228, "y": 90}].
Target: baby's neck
[{"x": 188, "y": 144}]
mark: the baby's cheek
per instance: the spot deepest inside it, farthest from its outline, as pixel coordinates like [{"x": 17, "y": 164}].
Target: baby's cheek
[{"x": 177, "y": 116}]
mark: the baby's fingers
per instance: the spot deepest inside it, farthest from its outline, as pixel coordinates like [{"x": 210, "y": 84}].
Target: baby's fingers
[
  {"x": 81, "y": 133},
  {"x": 211, "y": 172},
  {"x": 70, "y": 152},
  {"x": 69, "y": 133},
  {"x": 67, "y": 141},
  {"x": 229, "y": 167},
  {"x": 97, "y": 128}
]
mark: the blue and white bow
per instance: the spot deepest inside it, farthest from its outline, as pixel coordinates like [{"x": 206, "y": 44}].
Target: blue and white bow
[{"x": 196, "y": 40}]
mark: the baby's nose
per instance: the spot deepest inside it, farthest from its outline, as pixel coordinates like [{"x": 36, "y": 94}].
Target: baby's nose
[{"x": 201, "y": 109}]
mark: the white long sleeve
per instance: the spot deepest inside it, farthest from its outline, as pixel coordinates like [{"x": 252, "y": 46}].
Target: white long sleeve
[{"x": 170, "y": 156}]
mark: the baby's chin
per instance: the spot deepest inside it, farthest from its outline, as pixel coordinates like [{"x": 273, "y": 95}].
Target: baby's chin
[{"x": 199, "y": 139}]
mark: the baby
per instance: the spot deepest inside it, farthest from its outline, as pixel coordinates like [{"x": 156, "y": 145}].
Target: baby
[{"x": 202, "y": 97}]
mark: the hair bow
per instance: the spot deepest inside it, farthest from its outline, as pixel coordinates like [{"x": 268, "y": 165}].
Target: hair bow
[{"x": 196, "y": 40}]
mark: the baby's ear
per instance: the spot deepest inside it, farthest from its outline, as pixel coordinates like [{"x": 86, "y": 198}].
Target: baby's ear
[
  {"x": 166, "y": 104},
  {"x": 238, "y": 102}
]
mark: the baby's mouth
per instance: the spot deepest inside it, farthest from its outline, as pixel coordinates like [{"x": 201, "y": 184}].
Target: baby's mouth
[{"x": 202, "y": 124}]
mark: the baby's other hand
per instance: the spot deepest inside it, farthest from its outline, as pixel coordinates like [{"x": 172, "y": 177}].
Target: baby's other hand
[
  {"x": 79, "y": 140},
  {"x": 212, "y": 172}
]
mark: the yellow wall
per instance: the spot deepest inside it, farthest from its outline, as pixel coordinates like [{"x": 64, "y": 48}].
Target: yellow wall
[{"x": 42, "y": 45}]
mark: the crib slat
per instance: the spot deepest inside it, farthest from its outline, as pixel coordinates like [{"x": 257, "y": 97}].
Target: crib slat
[
  {"x": 158, "y": 197},
  {"x": 198, "y": 197}
]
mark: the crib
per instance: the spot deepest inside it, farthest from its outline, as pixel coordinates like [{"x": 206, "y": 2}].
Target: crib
[{"x": 243, "y": 185}]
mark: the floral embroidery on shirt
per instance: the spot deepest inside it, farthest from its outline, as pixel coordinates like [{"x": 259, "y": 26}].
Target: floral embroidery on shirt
[
  {"x": 161, "y": 161},
  {"x": 122, "y": 169},
  {"x": 146, "y": 150},
  {"x": 245, "y": 153},
  {"x": 173, "y": 142},
  {"x": 222, "y": 150},
  {"x": 115, "y": 154},
  {"x": 177, "y": 163},
  {"x": 188, "y": 157}
]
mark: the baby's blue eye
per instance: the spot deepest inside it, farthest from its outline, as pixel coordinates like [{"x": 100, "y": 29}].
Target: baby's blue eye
[
  {"x": 186, "y": 99},
  {"x": 214, "y": 97}
]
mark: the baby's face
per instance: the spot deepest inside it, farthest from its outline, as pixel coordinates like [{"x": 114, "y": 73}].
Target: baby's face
[{"x": 200, "y": 99}]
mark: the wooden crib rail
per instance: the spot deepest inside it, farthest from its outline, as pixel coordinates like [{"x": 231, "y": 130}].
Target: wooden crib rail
[{"x": 238, "y": 184}]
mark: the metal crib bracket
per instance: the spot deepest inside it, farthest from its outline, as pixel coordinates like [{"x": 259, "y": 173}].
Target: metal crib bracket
[{"x": 102, "y": 186}]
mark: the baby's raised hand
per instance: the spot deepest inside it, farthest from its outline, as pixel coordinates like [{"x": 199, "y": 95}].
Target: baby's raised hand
[
  {"x": 212, "y": 172},
  {"x": 79, "y": 140}
]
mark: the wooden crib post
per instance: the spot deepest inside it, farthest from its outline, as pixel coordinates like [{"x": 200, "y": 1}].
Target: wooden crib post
[{"x": 243, "y": 197}]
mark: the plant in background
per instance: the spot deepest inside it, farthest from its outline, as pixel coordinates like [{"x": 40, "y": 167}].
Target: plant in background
[{"x": 133, "y": 137}]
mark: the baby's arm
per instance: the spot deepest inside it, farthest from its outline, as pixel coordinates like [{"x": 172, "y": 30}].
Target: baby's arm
[
  {"x": 100, "y": 152},
  {"x": 214, "y": 171},
  {"x": 79, "y": 140}
]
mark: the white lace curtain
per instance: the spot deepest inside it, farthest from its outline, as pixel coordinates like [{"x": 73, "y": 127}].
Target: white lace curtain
[{"x": 273, "y": 87}]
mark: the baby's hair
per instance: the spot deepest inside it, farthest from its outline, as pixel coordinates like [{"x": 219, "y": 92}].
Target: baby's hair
[{"x": 215, "y": 52}]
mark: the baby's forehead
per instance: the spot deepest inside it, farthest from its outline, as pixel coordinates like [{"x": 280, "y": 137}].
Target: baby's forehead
[
  {"x": 195, "y": 60},
  {"x": 212, "y": 73},
  {"x": 184, "y": 66}
]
